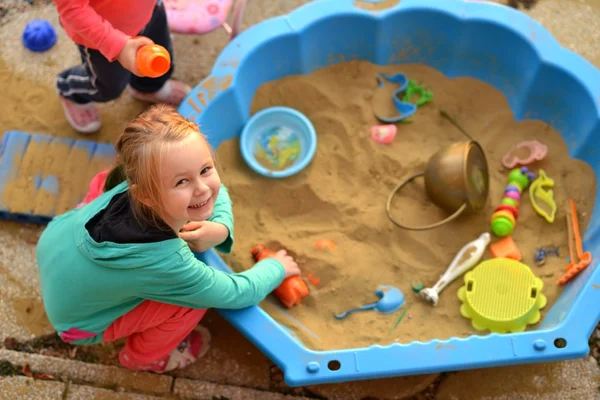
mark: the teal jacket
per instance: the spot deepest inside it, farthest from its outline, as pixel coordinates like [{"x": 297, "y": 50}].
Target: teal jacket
[{"x": 98, "y": 262}]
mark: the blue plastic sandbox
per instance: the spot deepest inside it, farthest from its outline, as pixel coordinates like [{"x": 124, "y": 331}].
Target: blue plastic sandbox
[{"x": 486, "y": 41}]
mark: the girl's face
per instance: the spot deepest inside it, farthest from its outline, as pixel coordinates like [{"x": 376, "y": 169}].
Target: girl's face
[{"x": 190, "y": 183}]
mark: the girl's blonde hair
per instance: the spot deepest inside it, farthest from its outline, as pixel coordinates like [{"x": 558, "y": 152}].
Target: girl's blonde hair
[{"x": 140, "y": 149}]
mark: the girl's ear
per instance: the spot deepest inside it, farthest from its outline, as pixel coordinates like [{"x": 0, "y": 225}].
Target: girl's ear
[{"x": 135, "y": 190}]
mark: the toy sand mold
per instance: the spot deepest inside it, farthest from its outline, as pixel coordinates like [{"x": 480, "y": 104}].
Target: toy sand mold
[{"x": 456, "y": 179}]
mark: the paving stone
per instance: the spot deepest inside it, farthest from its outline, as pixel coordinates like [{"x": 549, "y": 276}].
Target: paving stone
[
  {"x": 198, "y": 390},
  {"x": 24, "y": 388},
  {"x": 388, "y": 389},
  {"x": 567, "y": 380},
  {"x": 78, "y": 392},
  {"x": 101, "y": 375}
]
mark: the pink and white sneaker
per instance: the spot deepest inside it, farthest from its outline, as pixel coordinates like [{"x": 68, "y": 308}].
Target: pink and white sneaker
[
  {"x": 193, "y": 347},
  {"x": 84, "y": 118},
  {"x": 173, "y": 92}
]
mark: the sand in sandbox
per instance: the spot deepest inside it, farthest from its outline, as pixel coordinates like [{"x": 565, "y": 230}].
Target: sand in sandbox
[{"x": 341, "y": 196}]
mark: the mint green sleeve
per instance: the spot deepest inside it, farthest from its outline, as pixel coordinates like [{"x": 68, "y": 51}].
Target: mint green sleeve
[
  {"x": 223, "y": 214},
  {"x": 184, "y": 280}
]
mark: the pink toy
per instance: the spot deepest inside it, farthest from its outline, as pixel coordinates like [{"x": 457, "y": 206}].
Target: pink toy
[
  {"x": 96, "y": 188},
  {"x": 537, "y": 152},
  {"x": 513, "y": 195},
  {"x": 383, "y": 134},
  {"x": 203, "y": 16}
]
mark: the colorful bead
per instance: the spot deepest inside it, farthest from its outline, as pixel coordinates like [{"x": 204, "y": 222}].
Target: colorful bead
[
  {"x": 507, "y": 207},
  {"x": 516, "y": 184},
  {"x": 506, "y": 214},
  {"x": 513, "y": 195},
  {"x": 502, "y": 227},
  {"x": 513, "y": 187},
  {"x": 511, "y": 202}
]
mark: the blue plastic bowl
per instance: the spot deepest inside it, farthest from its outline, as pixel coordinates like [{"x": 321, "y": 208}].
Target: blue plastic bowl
[
  {"x": 278, "y": 122},
  {"x": 493, "y": 43}
]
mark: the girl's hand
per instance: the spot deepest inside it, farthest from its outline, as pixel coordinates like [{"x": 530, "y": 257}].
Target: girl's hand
[
  {"x": 127, "y": 56},
  {"x": 289, "y": 265},
  {"x": 203, "y": 235}
]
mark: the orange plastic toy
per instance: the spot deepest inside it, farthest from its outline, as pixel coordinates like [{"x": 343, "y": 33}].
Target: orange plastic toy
[
  {"x": 292, "y": 289},
  {"x": 579, "y": 260},
  {"x": 325, "y": 244},
  {"x": 505, "y": 248},
  {"x": 153, "y": 60}
]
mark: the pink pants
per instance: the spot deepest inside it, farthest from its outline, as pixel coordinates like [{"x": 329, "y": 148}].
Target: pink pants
[
  {"x": 152, "y": 330},
  {"x": 96, "y": 187}
]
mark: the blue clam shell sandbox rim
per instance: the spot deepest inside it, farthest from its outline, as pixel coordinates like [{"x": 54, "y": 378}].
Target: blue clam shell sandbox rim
[{"x": 490, "y": 42}]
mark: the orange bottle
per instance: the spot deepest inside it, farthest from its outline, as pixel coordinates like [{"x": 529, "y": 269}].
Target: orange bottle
[
  {"x": 292, "y": 289},
  {"x": 153, "y": 60}
]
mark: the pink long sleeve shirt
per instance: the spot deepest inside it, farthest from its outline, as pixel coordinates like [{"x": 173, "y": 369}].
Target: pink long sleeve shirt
[{"x": 104, "y": 25}]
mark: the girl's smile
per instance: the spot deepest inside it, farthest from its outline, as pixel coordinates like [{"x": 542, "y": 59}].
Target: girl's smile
[{"x": 190, "y": 183}]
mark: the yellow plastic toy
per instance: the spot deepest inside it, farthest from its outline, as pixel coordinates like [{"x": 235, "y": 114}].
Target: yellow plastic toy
[
  {"x": 501, "y": 295},
  {"x": 541, "y": 189}
]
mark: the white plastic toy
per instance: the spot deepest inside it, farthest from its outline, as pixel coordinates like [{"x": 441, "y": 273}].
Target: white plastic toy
[{"x": 464, "y": 260}]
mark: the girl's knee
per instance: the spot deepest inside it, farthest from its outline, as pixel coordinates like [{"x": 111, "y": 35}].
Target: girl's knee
[{"x": 191, "y": 314}]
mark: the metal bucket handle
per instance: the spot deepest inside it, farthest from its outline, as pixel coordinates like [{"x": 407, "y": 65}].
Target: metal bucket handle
[{"x": 418, "y": 228}]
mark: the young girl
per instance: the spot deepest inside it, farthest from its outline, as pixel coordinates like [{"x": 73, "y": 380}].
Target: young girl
[
  {"x": 121, "y": 266},
  {"x": 105, "y": 33}
]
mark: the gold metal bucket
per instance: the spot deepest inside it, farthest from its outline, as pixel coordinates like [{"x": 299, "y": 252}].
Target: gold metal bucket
[{"x": 456, "y": 179}]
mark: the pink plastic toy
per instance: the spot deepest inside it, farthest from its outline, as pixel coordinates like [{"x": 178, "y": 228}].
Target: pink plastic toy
[
  {"x": 383, "y": 134},
  {"x": 537, "y": 152},
  {"x": 203, "y": 16},
  {"x": 513, "y": 195}
]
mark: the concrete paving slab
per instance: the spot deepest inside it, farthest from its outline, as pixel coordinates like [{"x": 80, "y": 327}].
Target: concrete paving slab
[
  {"x": 100, "y": 375},
  {"x": 24, "y": 388},
  {"x": 568, "y": 380},
  {"x": 79, "y": 392},
  {"x": 198, "y": 390}
]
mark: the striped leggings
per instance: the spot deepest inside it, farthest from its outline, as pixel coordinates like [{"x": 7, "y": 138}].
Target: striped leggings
[{"x": 98, "y": 80}]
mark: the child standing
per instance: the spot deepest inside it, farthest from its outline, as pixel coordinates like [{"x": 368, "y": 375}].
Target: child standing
[
  {"x": 105, "y": 33},
  {"x": 121, "y": 266}
]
